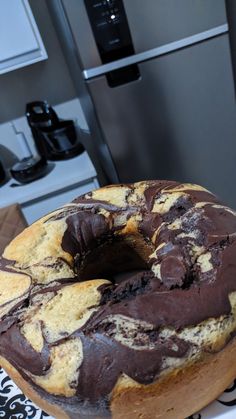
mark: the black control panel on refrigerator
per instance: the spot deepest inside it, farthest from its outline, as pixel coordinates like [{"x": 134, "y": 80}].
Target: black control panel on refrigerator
[{"x": 112, "y": 35}]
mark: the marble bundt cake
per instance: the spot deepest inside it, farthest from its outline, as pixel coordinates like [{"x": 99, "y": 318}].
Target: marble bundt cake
[{"x": 122, "y": 303}]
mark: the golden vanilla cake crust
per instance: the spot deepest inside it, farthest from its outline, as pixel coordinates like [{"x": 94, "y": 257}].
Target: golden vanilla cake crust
[{"x": 122, "y": 303}]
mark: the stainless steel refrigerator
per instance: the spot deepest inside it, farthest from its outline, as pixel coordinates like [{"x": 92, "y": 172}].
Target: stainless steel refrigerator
[{"x": 156, "y": 85}]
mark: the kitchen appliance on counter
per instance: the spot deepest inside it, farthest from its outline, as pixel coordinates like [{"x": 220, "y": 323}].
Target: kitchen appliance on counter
[
  {"x": 55, "y": 139},
  {"x": 30, "y": 167},
  {"x": 156, "y": 86}
]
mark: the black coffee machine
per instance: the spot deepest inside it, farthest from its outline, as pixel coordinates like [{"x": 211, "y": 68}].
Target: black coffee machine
[{"x": 55, "y": 139}]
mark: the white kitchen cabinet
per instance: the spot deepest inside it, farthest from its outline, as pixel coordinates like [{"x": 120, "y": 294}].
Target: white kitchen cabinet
[
  {"x": 20, "y": 40},
  {"x": 37, "y": 209},
  {"x": 67, "y": 180}
]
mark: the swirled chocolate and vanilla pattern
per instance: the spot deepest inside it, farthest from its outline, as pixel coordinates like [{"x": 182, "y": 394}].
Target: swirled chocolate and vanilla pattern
[{"x": 118, "y": 288}]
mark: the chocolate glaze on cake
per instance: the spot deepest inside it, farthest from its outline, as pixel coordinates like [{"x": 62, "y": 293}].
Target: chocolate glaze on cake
[{"x": 176, "y": 244}]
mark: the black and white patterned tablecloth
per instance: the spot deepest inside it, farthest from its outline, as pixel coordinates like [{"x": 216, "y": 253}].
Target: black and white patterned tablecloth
[{"x": 14, "y": 405}]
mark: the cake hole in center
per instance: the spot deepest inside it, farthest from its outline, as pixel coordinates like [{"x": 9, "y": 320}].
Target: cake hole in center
[{"x": 115, "y": 261}]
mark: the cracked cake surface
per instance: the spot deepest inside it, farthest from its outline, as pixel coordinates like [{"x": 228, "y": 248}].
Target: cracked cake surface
[{"x": 118, "y": 290}]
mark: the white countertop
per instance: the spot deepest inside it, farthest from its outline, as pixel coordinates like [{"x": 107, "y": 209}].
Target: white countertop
[{"x": 63, "y": 175}]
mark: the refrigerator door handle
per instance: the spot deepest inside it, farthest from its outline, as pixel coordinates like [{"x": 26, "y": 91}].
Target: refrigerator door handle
[{"x": 101, "y": 70}]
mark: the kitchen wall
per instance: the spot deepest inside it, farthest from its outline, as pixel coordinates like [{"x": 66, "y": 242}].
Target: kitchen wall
[{"x": 49, "y": 79}]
